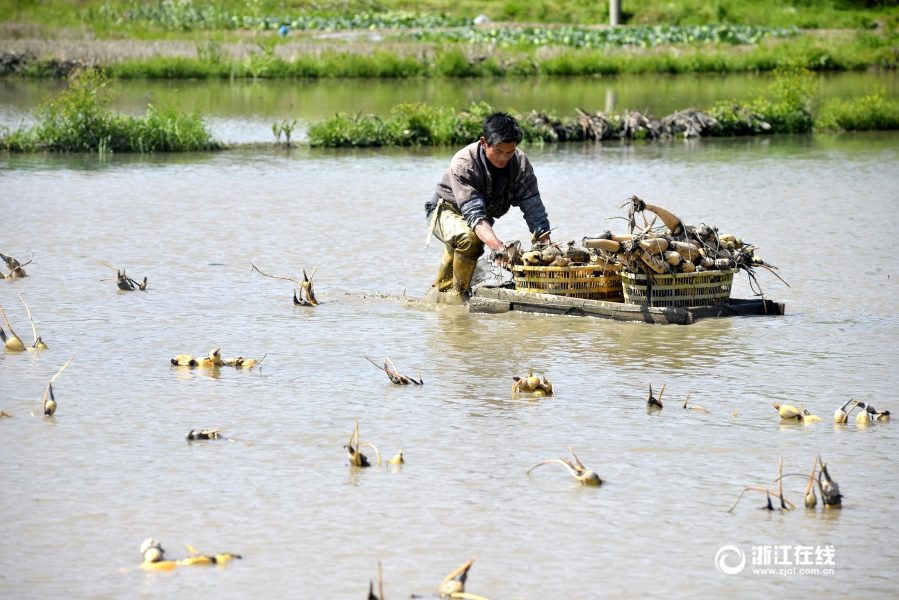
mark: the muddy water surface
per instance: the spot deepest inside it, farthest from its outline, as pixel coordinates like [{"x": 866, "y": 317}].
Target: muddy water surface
[{"x": 82, "y": 490}]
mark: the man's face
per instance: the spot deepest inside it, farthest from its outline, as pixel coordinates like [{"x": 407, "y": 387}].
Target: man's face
[{"x": 499, "y": 155}]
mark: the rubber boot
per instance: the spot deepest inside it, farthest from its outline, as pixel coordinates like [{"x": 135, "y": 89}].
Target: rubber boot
[
  {"x": 445, "y": 274},
  {"x": 444, "y": 279},
  {"x": 463, "y": 269}
]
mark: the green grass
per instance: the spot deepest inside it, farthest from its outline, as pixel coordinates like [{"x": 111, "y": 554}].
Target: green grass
[
  {"x": 869, "y": 113},
  {"x": 789, "y": 109},
  {"x": 329, "y": 64},
  {"x": 856, "y": 52},
  {"x": 79, "y": 120},
  {"x": 407, "y": 125},
  {"x": 838, "y": 53},
  {"x": 139, "y": 19}
]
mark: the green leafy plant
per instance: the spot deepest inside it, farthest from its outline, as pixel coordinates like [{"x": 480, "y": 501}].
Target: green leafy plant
[
  {"x": 210, "y": 51},
  {"x": 79, "y": 120},
  {"x": 286, "y": 128},
  {"x": 16, "y": 140},
  {"x": 608, "y": 37},
  {"x": 870, "y": 112},
  {"x": 185, "y": 15},
  {"x": 788, "y": 111}
]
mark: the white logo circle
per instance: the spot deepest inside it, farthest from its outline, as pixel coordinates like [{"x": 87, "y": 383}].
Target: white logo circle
[{"x": 721, "y": 560}]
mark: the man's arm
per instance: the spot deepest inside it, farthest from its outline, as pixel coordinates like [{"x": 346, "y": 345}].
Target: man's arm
[
  {"x": 485, "y": 232},
  {"x": 527, "y": 198},
  {"x": 535, "y": 216}
]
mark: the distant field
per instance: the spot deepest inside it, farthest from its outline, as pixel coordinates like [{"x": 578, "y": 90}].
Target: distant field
[
  {"x": 185, "y": 18},
  {"x": 366, "y": 38}
]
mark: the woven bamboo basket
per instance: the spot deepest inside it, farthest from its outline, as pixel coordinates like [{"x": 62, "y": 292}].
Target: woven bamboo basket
[
  {"x": 683, "y": 290},
  {"x": 588, "y": 282}
]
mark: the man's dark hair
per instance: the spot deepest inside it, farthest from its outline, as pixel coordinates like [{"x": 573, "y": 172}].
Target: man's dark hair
[{"x": 500, "y": 128}]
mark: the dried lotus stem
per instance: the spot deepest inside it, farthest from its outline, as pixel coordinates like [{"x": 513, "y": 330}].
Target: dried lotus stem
[
  {"x": 607, "y": 245},
  {"x": 672, "y": 258},
  {"x": 299, "y": 283},
  {"x": 373, "y": 446},
  {"x": 780, "y": 486},
  {"x": 9, "y": 343},
  {"x": 655, "y": 245},
  {"x": 687, "y": 250},
  {"x": 760, "y": 489},
  {"x": 33, "y": 328},
  {"x": 653, "y": 263},
  {"x": 394, "y": 375}
]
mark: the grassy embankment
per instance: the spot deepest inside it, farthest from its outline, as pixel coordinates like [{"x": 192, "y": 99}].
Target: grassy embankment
[
  {"x": 789, "y": 110},
  {"x": 846, "y": 52},
  {"x": 79, "y": 120},
  {"x": 473, "y": 52}
]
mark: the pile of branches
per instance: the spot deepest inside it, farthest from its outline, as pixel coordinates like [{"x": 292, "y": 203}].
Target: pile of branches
[
  {"x": 14, "y": 62},
  {"x": 688, "y": 123},
  {"x": 422, "y": 125},
  {"x": 20, "y": 63},
  {"x": 629, "y": 125}
]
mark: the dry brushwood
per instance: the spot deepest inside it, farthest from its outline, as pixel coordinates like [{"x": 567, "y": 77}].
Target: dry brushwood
[
  {"x": 14, "y": 343},
  {"x": 577, "y": 469},
  {"x": 38, "y": 342},
  {"x": 249, "y": 363},
  {"x": 394, "y": 375},
  {"x": 205, "y": 434},
  {"x": 769, "y": 493},
  {"x": 304, "y": 289},
  {"x": 14, "y": 266},
  {"x": 371, "y": 586},
  {"x": 687, "y": 123},
  {"x": 124, "y": 282},
  {"x": 830, "y": 489},
  {"x": 49, "y": 404},
  {"x": 357, "y": 459},
  {"x": 453, "y": 585},
  {"x": 553, "y": 128},
  {"x": 693, "y": 406},
  {"x": 634, "y": 124},
  {"x": 595, "y": 127},
  {"x": 652, "y": 401}
]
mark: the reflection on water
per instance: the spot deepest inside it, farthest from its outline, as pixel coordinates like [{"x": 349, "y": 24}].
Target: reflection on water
[
  {"x": 242, "y": 111},
  {"x": 82, "y": 490}
]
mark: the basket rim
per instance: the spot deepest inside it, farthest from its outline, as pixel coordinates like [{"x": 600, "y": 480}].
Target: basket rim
[
  {"x": 565, "y": 268},
  {"x": 643, "y": 277}
]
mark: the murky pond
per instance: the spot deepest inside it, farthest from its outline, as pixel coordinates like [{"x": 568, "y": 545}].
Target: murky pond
[
  {"x": 81, "y": 491},
  {"x": 242, "y": 111}
]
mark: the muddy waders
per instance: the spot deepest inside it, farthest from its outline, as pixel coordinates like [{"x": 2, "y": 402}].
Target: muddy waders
[
  {"x": 460, "y": 255},
  {"x": 445, "y": 274}
]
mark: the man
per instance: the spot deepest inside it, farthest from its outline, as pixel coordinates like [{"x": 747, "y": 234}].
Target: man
[{"x": 483, "y": 181}]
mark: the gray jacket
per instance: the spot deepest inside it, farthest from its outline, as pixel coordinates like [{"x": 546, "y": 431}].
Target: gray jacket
[{"x": 468, "y": 185}]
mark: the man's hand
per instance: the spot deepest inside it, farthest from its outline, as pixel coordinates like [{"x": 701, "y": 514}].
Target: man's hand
[
  {"x": 485, "y": 232},
  {"x": 541, "y": 237}
]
